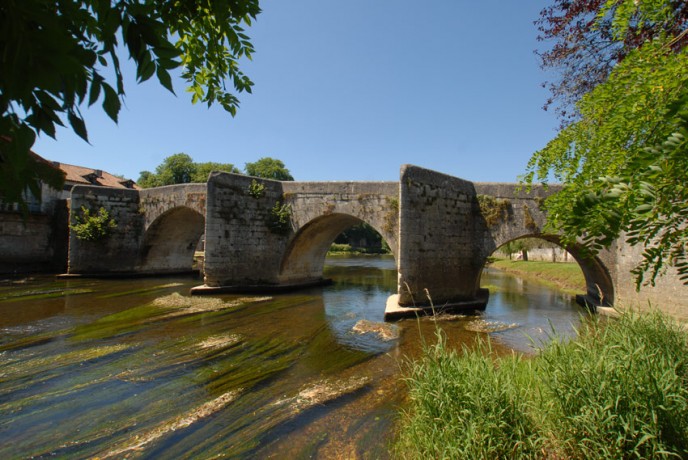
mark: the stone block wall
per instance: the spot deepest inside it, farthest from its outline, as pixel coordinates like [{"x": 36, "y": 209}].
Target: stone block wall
[
  {"x": 117, "y": 253},
  {"x": 34, "y": 242},
  {"x": 669, "y": 294},
  {"x": 437, "y": 238},
  {"x": 244, "y": 249},
  {"x": 521, "y": 215},
  {"x": 241, "y": 247},
  {"x": 157, "y": 201}
]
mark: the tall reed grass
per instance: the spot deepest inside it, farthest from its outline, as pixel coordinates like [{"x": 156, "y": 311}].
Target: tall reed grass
[{"x": 620, "y": 390}]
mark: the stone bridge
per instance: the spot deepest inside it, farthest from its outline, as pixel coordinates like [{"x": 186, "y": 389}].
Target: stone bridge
[
  {"x": 157, "y": 230},
  {"x": 263, "y": 235}
]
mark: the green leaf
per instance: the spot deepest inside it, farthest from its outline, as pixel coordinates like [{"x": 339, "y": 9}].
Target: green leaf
[
  {"x": 78, "y": 125},
  {"x": 147, "y": 70},
  {"x": 94, "y": 93},
  {"x": 165, "y": 79},
  {"x": 111, "y": 103}
]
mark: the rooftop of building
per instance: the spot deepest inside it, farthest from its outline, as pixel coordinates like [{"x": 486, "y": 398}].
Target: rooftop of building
[{"x": 89, "y": 176}]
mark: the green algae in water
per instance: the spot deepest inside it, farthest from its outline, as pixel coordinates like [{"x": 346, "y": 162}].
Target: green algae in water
[
  {"x": 40, "y": 364},
  {"x": 178, "y": 423},
  {"x": 259, "y": 361},
  {"x": 43, "y": 294},
  {"x": 146, "y": 290},
  {"x": 124, "y": 322},
  {"x": 310, "y": 450},
  {"x": 328, "y": 355},
  {"x": 159, "y": 310}
]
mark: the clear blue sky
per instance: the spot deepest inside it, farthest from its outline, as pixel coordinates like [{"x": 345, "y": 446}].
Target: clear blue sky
[{"x": 350, "y": 90}]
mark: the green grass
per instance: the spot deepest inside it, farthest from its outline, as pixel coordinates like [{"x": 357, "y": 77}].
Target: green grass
[
  {"x": 338, "y": 249},
  {"x": 619, "y": 391},
  {"x": 566, "y": 276}
]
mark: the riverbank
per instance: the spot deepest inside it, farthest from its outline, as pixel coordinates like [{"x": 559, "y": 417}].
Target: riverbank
[
  {"x": 618, "y": 391},
  {"x": 566, "y": 276},
  {"x": 348, "y": 250}
]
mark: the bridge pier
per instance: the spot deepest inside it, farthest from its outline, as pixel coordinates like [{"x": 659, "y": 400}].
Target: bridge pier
[{"x": 440, "y": 247}]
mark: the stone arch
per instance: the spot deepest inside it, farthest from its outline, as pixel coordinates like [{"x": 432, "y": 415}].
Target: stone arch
[
  {"x": 170, "y": 241},
  {"x": 304, "y": 257},
  {"x": 598, "y": 280}
]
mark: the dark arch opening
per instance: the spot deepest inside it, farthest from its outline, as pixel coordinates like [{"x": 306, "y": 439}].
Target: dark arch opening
[
  {"x": 598, "y": 287},
  {"x": 360, "y": 239},
  {"x": 171, "y": 240},
  {"x": 304, "y": 258}
]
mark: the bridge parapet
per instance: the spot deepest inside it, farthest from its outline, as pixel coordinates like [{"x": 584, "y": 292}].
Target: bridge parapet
[
  {"x": 322, "y": 210},
  {"x": 157, "y": 229}
]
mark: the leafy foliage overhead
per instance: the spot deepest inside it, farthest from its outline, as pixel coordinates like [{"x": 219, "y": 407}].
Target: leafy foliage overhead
[
  {"x": 623, "y": 163},
  {"x": 583, "y": 40},
  {"x": 54, "y": 54}
]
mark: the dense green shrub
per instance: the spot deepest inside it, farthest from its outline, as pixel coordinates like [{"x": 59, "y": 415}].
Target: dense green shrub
[
  {"x": 279, "y": 219},
  {"x": 93, "y": 227}
]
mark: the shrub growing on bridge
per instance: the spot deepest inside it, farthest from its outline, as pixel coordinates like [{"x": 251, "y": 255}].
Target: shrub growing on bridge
[{"x": 93, "y": 227}]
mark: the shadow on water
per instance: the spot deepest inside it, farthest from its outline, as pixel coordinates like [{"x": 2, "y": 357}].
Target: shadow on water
[{"x": 138, "y": 369}]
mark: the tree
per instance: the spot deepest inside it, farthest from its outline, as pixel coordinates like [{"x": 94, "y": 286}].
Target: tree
[
  {"x": 522, "y": 245},
  {"x": 268, "y": 168},
  {"x": 623, "y": 163},
  {"x": 203, "y": 170},
  {"x": 587, "y": 38},
  {"x": 53, "y": 54},
  {"x": 181, "y": 169}
]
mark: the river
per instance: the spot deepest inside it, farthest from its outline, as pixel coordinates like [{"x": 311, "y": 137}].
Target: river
[{"x": 138, "y": 369}]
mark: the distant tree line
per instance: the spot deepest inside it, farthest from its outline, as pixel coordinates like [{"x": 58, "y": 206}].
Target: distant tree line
[
  {"x": 363, "y": 238},
  {"x": 181, "y": 169}
]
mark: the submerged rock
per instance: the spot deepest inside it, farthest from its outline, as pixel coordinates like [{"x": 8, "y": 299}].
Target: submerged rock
[
  {"x": 190, "y": 304},
  {"x": 480, "y": 325},
  {"x": 326, "y": 390},
  {"x": 219, "y": 341},
  {"x": 138, "y": 442},
  {"x": 384, "y": 331}
]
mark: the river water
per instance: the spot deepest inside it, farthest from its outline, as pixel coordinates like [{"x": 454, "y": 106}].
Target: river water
[{"x": 138, "y": 369}]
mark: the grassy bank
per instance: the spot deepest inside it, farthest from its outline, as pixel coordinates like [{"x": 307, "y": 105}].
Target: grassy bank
[
  {"x": 345, "y": 249},
  {"x": 566, "y": 276},
  {"x": 619, "y": 391}
]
